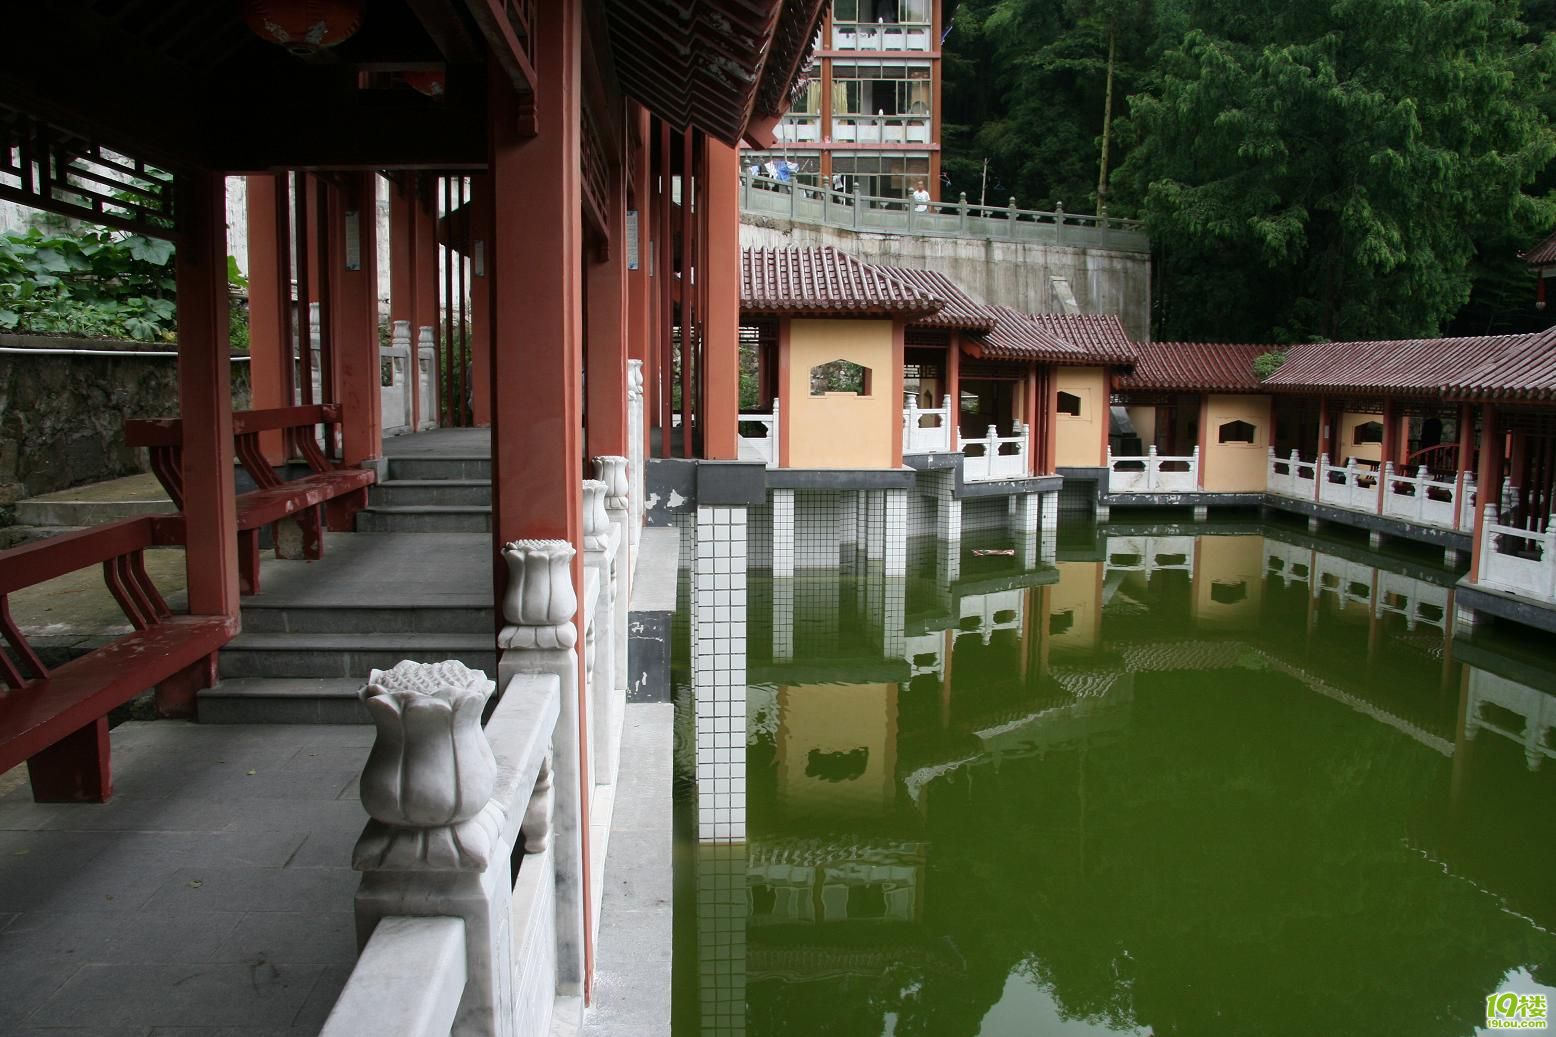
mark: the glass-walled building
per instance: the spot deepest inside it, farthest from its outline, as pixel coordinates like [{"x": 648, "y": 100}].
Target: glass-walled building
[{"x": 869, "y": 119}]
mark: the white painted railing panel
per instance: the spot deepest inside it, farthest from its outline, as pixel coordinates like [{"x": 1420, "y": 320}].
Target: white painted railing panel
[
  {"x": 919, "y": 438},
  {"x": 763, "y": 448},
  {"x": 1153, "y": 473},
  {"x": 1517, "y": 560},
  {"x": 995, "y": 456},
  {"x": 1419, "y": 498}
]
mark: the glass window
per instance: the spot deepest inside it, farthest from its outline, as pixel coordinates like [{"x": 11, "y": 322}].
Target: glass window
[{"x": 845, "y": 10}]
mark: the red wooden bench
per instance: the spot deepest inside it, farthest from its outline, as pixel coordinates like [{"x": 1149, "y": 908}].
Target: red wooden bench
[
  {"x": 57, "y": 720},
  {"x": 339, "y": 492}
]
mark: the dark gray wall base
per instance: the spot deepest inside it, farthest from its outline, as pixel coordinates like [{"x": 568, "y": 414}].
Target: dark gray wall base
[
  {"x": 1505, "y": 606},
  {"x": 1380, "y": 523},
  {"x": 840, "y": 478},
  {"x": 669, "y": 490},
  {"x": 649, "y": 616},
  {"x": 1007, "y": 487}
]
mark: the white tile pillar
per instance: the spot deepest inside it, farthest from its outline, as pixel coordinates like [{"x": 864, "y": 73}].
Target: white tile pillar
[
  {"x": 894, "y": 531},
  {"x": 783, "y": 533}
]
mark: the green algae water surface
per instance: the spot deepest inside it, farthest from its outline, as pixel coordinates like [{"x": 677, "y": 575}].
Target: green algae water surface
[{"x": 1238, "y": 784}]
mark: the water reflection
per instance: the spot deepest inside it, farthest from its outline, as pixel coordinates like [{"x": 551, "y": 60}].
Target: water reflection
[{"x": 1156, "y": 783}]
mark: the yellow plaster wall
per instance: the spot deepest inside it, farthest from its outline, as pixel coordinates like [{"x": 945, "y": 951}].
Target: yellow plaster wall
[
  {"x": 837, "y": 718},
  {"x": 1078, "y": 442},
  {"x": 1236, "y": 467},
  {"x": 841, "y": 430},
  {"x": 1348, "y": 447},
  {"x": 1229, "y": 567}
]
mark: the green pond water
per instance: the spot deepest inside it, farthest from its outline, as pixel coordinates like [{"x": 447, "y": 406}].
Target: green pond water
[{"x": 1242, "y": 784}]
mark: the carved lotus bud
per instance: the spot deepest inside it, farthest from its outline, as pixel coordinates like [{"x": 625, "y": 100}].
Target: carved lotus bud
[
  {"x": 612, "y": 471},
  {"x": 402, "y": 334},
  {"x": 634, "y": 379},
  {"x": 425, "y": 338},
  {"x": 596, "y": 524},
  {"x": 431, "y": 765},
  {"x": 540, "y": 584}
]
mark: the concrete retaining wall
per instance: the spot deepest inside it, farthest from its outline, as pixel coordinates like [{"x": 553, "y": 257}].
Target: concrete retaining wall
[
  {"x": 62, "y": 416},
  {"x": 1030, "y": 276}
]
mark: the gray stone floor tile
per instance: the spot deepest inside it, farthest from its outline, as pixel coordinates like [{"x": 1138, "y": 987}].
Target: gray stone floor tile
[
  {"x": 320, "y": 890},
  {"x": 6, "y": 920},
  {"x": 59, "y": 882},
  {"x": 332, "y": 980},
  {"x": 311, "y": 938},
  {"x": 189, "y": 849},
  {"x": 174, "y": 995},
  {"x": 634, "y": 936},
  {"x": 266, "y": 815},
  {"x": 94, "y": 937},
  {"x": 27, "y": 983},
  {"x": 328, "y": 849}
]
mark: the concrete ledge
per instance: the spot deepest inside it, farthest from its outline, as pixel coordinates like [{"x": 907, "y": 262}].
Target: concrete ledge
[
  {"x": 1385, "y": 524},
  {"x": 1502, "y": 605},
  {"x": 649, "y": 615},
  {"x": 669, "y": 489},
  {"x": 1195, "y": 499},
  {"x": 731, "y": 483},
  {"x": 1007, "y": 487},
  {"x": 933, "y": 461},
  {"x": 840, "y": 478}
]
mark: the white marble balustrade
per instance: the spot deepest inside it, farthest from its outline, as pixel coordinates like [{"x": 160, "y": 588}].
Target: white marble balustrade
[
  {"x": 1153, "y": 472},
  {"x": 995, "y": 456},
  {"x": 763, "y": 448},
  {"x": 919, "y": 438},
  {"x": 1515, "y": 560}
]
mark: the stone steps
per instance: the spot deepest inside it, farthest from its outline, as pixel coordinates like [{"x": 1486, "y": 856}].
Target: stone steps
[
  {"x": 368, "y": 619},
  {"x": 430, "y": 518},
  {"x": 284, "y": 700},
  {"x": 439, "y": 468},
  {"x": 349, "y": 655},
  {"x": 413, "y": 493}
]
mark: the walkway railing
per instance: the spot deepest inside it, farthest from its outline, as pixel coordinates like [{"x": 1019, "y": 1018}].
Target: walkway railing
[
  {"x": 996, "y": 456},
  {"x": 764, "y": 196},
  {"x": 1418, "y": 498},
  {"x": 1519, "y": 561},
  {"x": 1153, "y": 473},
  {"x": 764, "y": 447},
  {"x": 876, "y": 36},
  {"x": 918, "y": 438}
]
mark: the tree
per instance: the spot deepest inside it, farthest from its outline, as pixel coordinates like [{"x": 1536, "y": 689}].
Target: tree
[{"x": 1329, "y": 169}]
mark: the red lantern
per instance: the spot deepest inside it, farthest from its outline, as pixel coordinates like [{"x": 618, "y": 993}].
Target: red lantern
[{"x": 303, "y": 26}]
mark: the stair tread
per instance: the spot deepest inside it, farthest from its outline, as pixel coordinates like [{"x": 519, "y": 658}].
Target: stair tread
[
  {"x": 362, "y": 642},
  {"x": 439, "y": 483},
  {"x": 428, "y": 509},
  {"x": 284, "y": 687}
]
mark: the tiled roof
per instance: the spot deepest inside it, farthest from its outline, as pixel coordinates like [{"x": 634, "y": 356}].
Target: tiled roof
[
  {"x": 1522, "y": 368},
  {"x": 1193, "y": 367},
  {"x": 1016, "y": 337},
  {"x": 1543, "y": 254},
  {"x": 961, "y": 310},
  {"x": 797, "y": 282},
  {"x": 1099, "y": 335},
  {"x": 1410, "y": 367}
]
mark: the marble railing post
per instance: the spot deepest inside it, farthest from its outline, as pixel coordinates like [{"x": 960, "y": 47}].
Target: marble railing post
[
  {"x": 538, "y": 636},
  {"x": 601, "y": 553},
  {"x": 427, "y": 351},
  {"x": 616, "y": 473},
  {"x": 436, "y": 844},
  {"x": 636, "y": 449}
]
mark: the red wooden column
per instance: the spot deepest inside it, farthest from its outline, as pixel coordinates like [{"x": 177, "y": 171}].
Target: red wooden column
[
  {"x": 480, "y": 306},
  {"x": 899, "y": 330},
  {"x": 1324, "y": 427},
  {"x": 270, "y": 302},
  {"x": 402, "y": 276},
  {"x": 720, "y": 272},
  {"x": 1204, "y": 439},
  {"x": 640, "y": 299},
  {"x": 353, "y": 296},
  {"x": 424, "y": 306},
  {"x": 953, "y": 388},
  {"x": 536, "y": 272},
  {"x": 205, "y": 406},
  {"x": 1390, "y": 452},
  {"x": 1466, "y": 437},
  {"x": 606, "y": 329},
  {"x": 1488, "y": 479},
  {"x": 1051, "y": 422}
]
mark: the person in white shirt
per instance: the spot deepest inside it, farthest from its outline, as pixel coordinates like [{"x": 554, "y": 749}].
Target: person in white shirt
[{"x": 920, "y": 197}]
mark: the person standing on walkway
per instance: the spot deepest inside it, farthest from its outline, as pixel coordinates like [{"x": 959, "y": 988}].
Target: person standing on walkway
[{"x": 920, "y": 197}]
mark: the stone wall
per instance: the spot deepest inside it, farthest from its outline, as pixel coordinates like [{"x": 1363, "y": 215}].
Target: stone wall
[
  {"x": 62, "y": 415},
  {"x": 1030, "y": 276}
]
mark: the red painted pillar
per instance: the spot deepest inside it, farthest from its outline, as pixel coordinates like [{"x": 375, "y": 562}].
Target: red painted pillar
[
  {"x": 953, "y": 388},
  {"x": 536, "y": 261},
  {"x": 1488, "y": 478},
  {"x": 1390, "y": 452},
  {"x": 480, "y": 305},
  {"x": 1051, "y": 422},
  {"x": 1034, "y": 419},
  {"x": 1204, "y": 439},
  {"x": 785, "y": 420},
  {"x": 721, "y": 279},
  {"x": 606, "y": 344},
  {"x": 425, "y": 307},
  {"x": 205, "y": 405},
  {"x": 353, "y": 273},
  {"x": 270, "y": 303},
  {"x": 402, "y": 277},
  {"x": 1466, "y": 437},
  {"x": 1324, "y": 427},
  {"x": 899, "y": 329}
]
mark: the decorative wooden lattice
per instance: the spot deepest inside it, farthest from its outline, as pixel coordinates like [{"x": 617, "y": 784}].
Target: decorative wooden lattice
[{"x": 53, "y": 169}]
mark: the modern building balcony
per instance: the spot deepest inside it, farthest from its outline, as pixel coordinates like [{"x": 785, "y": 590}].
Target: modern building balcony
[
  {"x": 881, "y": 129},
  {"x": 876, "y": 36},
  {"x": 800, "y": 129}
]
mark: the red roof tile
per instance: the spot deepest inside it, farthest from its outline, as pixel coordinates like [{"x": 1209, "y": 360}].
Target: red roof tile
[
  {"x": 1523, "y": 367},
  {"x": 797, "y": 282},
  {"x": 961, "y": 310},
  {"x": 1543, "y": 254},
  {"x": 1193, "y": 367},
  {"x": 1406, "y": 367},
  {"x": 1100, "y": 335},
  {"x": 1015, "y": 336}
]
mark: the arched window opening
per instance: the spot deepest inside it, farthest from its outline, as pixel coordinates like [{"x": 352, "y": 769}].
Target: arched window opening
[
  {"x": 1368, "y": 432},
  {"x": 1070, "y": 404},
  {"x": 1236, "y": 432},
  {"x": 839, "y": 376}
]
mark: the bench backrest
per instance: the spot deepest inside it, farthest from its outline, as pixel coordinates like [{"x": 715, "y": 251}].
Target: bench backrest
[{"x": 164, "y": 438}]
